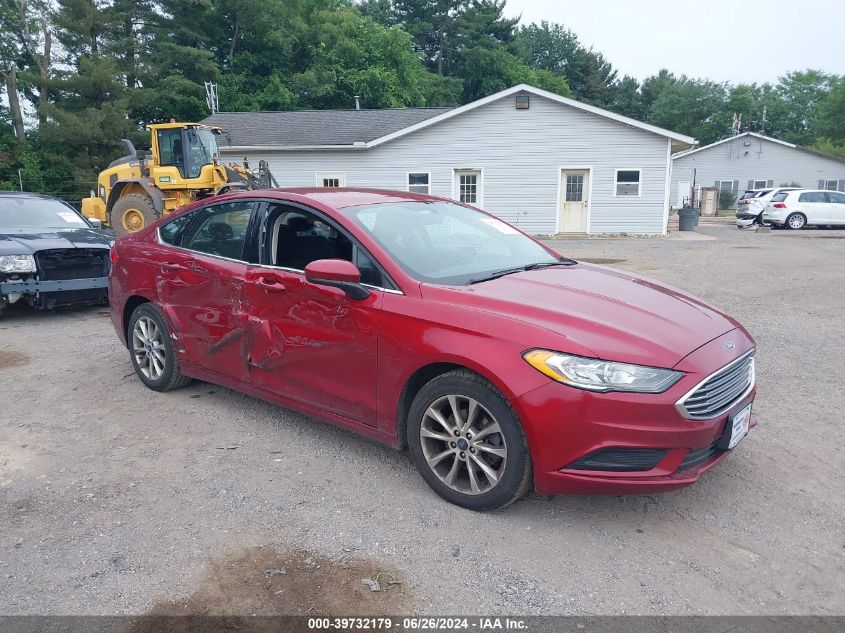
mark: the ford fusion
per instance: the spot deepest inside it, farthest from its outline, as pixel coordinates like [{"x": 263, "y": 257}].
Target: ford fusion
[
  {"x": 50, "y": 255},
  {"x": 435, "y": 327}
]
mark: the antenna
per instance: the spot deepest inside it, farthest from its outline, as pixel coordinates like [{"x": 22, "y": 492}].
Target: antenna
[{"x": 211, "y": 97}]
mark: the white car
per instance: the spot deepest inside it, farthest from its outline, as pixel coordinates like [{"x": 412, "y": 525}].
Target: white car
[
  {"x": 802, "y": 207},
  {"x": 753, "y": 202}
]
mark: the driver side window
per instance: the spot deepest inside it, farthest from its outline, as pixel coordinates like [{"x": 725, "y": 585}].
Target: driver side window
[
  {"x": 220, "y": 230},
  {"x": 298, "y": 237}
]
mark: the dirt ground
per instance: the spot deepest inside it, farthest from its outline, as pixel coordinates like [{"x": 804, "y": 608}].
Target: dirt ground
[{"x": 118, "y": 500}]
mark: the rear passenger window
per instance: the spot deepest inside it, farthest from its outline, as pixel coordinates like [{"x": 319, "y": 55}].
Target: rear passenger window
[
  {"x": 169, "y": 231},
  {"x": 220, "y": 230},
  {"x": 812, "y": 196}
]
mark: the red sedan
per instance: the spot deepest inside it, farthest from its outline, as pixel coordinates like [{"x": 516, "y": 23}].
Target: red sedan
[{"x": 432, "y": 326}]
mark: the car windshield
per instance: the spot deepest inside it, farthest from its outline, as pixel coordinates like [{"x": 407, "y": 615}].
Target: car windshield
[
  {"x": 446, "y": 243},
  {"x": 42, "y": 213}
]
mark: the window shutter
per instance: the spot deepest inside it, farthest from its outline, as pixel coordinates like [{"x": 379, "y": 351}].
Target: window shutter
[
  {"x": 718, "y": 184},
  {"x": 750, "y": 184},
  {"x": 770, "y": 183},
  {"x": 736, "y": 186},
  {"x": 841, "y": 186},
  {"x": 821, "y": 184}
]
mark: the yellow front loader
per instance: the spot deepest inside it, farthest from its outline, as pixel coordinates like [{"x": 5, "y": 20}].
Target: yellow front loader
[{"x": 183, "y": 165}]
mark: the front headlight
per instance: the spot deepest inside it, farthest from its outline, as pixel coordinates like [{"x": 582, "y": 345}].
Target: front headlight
[
  {"x": 17, "y": 264},
  {"x": 600, "y": 375}
]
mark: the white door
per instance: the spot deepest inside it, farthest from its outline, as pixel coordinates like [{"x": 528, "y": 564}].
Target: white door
[
  {"x": 815, "y": 206},
  {"x": 574, "y": 200},
  {"x": 837, "y": 207},
  {"x": 468, "y": 186},
  {"x": 683, "y": 193}
]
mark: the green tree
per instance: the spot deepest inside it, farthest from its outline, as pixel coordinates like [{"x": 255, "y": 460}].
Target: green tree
[
  {"x": 800, "y": 93},
  {"x": 830, "y": 115},
  {"x": 689, "y": 106},
  {"x": 626, "y": 98},
  {"x": 554, "y": 48}
]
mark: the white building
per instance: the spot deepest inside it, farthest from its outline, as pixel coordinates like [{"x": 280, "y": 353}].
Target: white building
[
  {"x": 541, "y": 161},
  {"x": 753, "y": 161}
]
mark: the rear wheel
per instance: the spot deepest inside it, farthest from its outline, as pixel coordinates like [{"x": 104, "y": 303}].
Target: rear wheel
[
  {"x": 151, "y": 349},
  {"x": 468, "y": 443},
  {"x": 796, "y": 221},
  {"x": 132, "y": 213}
]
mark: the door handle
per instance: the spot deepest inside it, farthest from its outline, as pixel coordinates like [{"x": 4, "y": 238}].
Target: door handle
[
  {"x": 271, "y": 283},
  {"x": 194, "y": 267},
  {"x": 170, "y": 267}
]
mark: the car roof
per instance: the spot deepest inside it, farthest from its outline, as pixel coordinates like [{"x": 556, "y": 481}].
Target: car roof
[
  {"x": 342, "y": 197},
  {"x": 25, "y": 194}
]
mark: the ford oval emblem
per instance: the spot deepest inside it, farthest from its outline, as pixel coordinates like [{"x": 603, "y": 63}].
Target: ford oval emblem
[{"x": 729, "y": 345}]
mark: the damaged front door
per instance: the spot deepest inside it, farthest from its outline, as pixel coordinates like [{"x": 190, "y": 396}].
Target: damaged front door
[
  {"x": 201, "y": 286},
  {"x": 311, "y": 343}
]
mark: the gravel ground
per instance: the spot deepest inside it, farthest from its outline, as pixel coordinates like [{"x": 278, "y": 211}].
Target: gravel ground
[{"x": 118, "y": 500}]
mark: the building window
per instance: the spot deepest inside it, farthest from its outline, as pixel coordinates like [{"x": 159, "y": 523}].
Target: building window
[
  {"x": 574, "y": 187},
  {"x": 331, "y": 179},
  {"x": 726, "y": 185},
  {"x": 831, "y": 185},
  {"x": 468, "y": 185},
  {"x": 759, "y": 184},
  {"x": 628, "y": 182},
  {"x": 419, "y": 182}
]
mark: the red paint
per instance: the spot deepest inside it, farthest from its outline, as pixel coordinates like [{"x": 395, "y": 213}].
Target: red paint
[{"x": 275, "y": 335}]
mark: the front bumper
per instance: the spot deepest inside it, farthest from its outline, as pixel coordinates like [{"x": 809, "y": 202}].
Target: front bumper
[
  {"x": 59, "y": 285},
  {"x": 567, "y": 426}
]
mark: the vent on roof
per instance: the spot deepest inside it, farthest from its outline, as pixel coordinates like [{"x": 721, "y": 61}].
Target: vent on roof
[{"x": 522, "y": 102}]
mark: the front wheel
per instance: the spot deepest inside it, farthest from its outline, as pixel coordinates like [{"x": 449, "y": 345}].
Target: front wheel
[
  {"x": 468, "y": 443},
  {"x": 796, "y": 221},
  {"x": 132, "y": 213},
  {"x": 153, "y": 356}
]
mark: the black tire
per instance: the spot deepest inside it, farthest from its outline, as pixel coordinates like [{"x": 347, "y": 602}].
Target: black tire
[
  {"x": 170, "y": 377},
  {"x": 799, "y": 219},
  {"x": 515, "y": 477},
  {"x": 132, "y": 213}
]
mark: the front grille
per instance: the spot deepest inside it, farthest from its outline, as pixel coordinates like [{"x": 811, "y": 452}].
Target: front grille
[
  {"x": 620, "y": 459},
  {"x": 72, "y": 263},
  {"x": 699, "y": 456},
  {"x": 720, "y": 391}
]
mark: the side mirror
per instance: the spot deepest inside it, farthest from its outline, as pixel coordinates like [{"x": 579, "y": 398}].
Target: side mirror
[
  {"x": 95, "y": 223},
  {"x": 337, "y": 273}
]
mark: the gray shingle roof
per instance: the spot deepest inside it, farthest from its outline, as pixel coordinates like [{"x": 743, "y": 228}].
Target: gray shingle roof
[{"x": 315, "y": 127}]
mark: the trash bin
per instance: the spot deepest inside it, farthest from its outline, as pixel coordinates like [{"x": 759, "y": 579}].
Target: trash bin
[{"x": 687, "y": 218}]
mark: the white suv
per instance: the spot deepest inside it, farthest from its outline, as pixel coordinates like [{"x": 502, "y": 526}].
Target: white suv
[
  {"x": 796, "y": 209},
  {"x": 752, "y": 203}
]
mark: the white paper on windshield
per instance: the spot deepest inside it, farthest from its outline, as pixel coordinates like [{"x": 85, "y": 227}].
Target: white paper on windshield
[
  {"x": 67, "y": 216},
  {"x": 500, "y": 226}
]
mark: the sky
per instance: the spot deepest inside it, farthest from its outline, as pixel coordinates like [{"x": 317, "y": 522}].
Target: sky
[{"x": 722, "y": 40}]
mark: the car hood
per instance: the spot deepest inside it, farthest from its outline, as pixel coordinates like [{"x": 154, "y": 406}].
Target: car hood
[
  {"x": 614, "y": 314},
  {"x": 27, "y": 241}
]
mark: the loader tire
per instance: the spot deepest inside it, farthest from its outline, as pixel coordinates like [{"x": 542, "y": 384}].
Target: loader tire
[{"x": 132, "y": 213}]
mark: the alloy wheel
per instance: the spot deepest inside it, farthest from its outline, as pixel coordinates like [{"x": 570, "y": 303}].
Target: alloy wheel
[
  {"x": 463, "y": 444},
  {"x": 148, "y": 348},
  {"x": 796, "y": 221}
]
